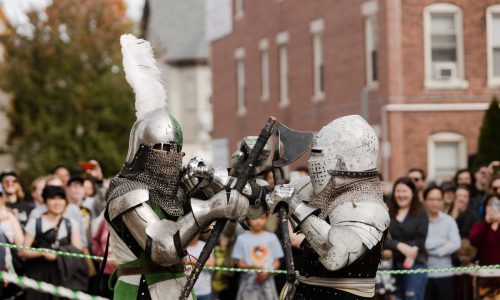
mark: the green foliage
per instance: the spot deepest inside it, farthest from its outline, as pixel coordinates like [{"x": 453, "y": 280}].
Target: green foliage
[
  {"x": 489, "y": 138},
  {"x": 70, "y": 98}
]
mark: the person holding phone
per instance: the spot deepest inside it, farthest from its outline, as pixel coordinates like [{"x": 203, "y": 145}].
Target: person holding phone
[{"x": 485, "y": 234}]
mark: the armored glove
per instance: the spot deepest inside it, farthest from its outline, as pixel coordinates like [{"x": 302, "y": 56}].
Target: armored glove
[
  {"x": 298, "y": 210},
  {"x": 282, "y": 195},
  {"x": 196, "y": 174},
  {"x": 234, "y": 208}
]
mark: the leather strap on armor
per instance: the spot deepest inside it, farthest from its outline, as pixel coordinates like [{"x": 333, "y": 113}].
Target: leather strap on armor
[
  {"x": 363, "y": 287},
  {"x": 155, "y": 269},
  {"x": 178, "y": 245}
]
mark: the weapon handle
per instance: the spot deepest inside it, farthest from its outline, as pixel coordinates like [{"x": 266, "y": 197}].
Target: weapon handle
[
  {"x": 253, "y": 157},
  {"x": 286, "y": 243},
  {"x": 287, "y": 246},
  {"x": 265, "y": 133},
  {"x": 202, "y": 259}
]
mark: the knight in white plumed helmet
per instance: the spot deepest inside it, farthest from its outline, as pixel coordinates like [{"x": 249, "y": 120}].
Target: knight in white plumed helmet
[
  {"x": 150, "y": 217},
  {"x": 340, "y": 211}
]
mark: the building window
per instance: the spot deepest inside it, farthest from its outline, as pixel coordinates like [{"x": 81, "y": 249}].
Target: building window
[
  {"x": 493, "y": 40},
  {"x": 282, "y": 41},
  {"x": 239, "y": 55},
  {"x": 447, "y": 152},
  {"x": 316, "y": 28},
  {"x": 239, "y": 9},
  {"x": 264, "y": 57},
  {"x": 444, "y": 48},
  {"x": 369, "y": 11}
]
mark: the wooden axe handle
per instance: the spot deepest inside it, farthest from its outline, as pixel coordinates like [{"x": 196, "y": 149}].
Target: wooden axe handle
[{"x": 285, "y": 236}]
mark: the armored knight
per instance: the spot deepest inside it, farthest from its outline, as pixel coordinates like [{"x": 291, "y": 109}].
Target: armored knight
[
  {"x": 340, "y": 211},
  {"x": 151, "y": 219}
]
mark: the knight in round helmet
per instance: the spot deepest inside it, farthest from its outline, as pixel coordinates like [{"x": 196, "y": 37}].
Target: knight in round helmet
[
  {"x": 150, "y": 216},
  {"x": 340, "y": 211}
]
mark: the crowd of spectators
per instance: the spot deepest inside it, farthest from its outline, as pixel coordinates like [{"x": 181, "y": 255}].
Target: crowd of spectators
[
  {"x": 434, "y": 225},
  {"x": 453, "y": 223},
  {"x": 66, "y": 214}
]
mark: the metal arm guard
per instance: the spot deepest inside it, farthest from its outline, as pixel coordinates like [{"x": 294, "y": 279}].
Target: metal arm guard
[
  {"x": 353, "y": 230},
  {"x": 163, "y": 240}
]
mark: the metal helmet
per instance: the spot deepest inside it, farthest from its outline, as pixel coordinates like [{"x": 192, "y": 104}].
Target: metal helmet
[
  {"x": 239, "y": 157},
  {"x": 158, "y": 130},
  {"x": 346, "y": 144}
]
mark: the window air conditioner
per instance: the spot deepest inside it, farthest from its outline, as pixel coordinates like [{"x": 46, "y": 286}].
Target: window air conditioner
[{"x": 445, "y": 70}]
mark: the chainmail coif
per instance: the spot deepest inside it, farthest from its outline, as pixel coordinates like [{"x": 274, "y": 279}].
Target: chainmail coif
[
  {"x": 355, "y": 191},
  {"x": 162, "y": 171}
]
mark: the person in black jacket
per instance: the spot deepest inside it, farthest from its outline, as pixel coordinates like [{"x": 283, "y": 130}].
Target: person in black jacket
[
  {"x": 408, "y": 229},
  {"x": 463, "y": 211}
]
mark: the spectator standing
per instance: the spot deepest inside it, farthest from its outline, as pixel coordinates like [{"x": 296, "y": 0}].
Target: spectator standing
[
  {"x": 62, "y": 173},
  {"x": 36, "y": 190},
  {"x": 485, "y": 234},
  {"x": 462, "y": 211},
  {"x": 95, "y": 188},
  {"x": 442, "y": 241},
  {"x": 463, "y": 287},
  {"x": 464, "y": 177},
  {"x": 449, "y": 194},
  {"x": 9, "y": 225},
  {"x": 495, "y": 185},
  {"x": 418, "y": 177},
  {"x": 257, "y": 249},
  {"x": 76, "y": 196},
  {"x": 50, "y": 231},
  {"x": 203, "y": 286},
  {"x": 408, "y": 229},
  {"x": 10, "y": 232},
  {"x": 482, "y": 178},
  {"x": 14, "y": 194},
  {"x": 71, "y": 212}
]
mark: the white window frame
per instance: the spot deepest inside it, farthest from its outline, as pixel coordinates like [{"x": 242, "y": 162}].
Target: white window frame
[
  {"x": 445, "y": 137},
  {"x": 429, "y": 81},
  {"x": 317, "y": 27},
  {"x": 282, "y": 40},
  {"x": 493, "y": 82},
  {"x": 369, "y": 11},
  {"x": 239, "y": 55},
  {"x": 264, "y": 59},
  {"x": 239, "y": 9}
]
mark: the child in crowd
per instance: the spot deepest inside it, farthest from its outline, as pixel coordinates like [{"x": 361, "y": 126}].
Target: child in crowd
[
  {"x": 203, "y": 286},
  {"x": 257, "y": 249},
  {"x": 463, "y": 281}
]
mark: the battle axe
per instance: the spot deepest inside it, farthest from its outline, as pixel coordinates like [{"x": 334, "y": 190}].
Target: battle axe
[{"x": 293, "y": 147}]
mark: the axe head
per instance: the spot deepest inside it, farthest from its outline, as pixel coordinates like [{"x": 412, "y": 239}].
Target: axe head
[{"x": 290, "y": 145}]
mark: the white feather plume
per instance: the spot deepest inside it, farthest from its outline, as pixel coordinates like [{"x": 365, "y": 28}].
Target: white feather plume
[{"x": 143, "y": 74}]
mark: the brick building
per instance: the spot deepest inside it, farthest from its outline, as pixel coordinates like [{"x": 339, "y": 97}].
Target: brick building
[{"x": 421, "y": 72}]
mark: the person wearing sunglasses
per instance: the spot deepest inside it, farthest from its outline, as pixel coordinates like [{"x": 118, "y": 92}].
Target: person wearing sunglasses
[
  {"x": 418, "y": 177},
  {"x": 14, "y": 195}
]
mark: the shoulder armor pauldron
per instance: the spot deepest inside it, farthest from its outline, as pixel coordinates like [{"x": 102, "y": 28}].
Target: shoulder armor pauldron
[{"x": 121, "y": 204}]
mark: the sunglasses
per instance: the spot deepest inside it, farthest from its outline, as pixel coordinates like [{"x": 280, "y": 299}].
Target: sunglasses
[{"x": 9, "y": 180}]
